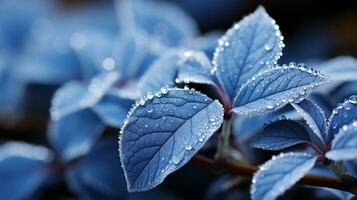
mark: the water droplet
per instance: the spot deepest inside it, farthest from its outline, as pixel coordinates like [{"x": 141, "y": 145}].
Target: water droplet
[
  {"x": 353, "y": 99},
  {"x": 270, "y": 106},
  {"x": 268, "y": 46},
  {"x": 188, "y": 148},
  {"x": 164, "y": 90},
  {"x": 108, "y": 64}
]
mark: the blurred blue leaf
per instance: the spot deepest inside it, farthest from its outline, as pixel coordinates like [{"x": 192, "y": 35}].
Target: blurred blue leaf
[
  {"x": 161, "y": 73},
  {"x": 314, "y": 117},
  {"x": 344, "y": 114},
  {"x": 206, "y": 43},
  {"x": 161, "y": 21},
  {"x": 249, "y": 46},
  {"x": 24, "y": 168},
  {"x": 95, "y": 51},
  {"x": 281, "y": 134},
  {"x": 344, "y": 145},
  {"x": 195, "y": 67},
  {"x": 73, "y": 135},
  {"x": 99, "y": 175},
  {"x": 112, "y": 109},
  {"x": 11, "y": 90},
  {"x": 270, "y": 90},
  {"x": 16, "y": 18},
  {"x": 75, "y": 96},
  {"x": 162, "y": 133},
  {"x": 280, "y": 174},
  {"x": 343, "y": 68}
]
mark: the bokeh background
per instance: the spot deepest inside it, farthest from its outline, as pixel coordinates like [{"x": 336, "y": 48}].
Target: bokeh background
[{"x": 31, "y": 37}]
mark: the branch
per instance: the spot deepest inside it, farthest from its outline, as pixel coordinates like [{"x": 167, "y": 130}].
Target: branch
[{"x": 249, "y": 170}]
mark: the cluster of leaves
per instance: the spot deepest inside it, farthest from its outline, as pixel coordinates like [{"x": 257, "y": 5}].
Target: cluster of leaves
[{"x": 155, "y": 65}]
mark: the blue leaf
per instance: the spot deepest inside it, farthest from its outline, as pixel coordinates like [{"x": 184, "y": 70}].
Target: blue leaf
[
  {"x": 314, "y": 117},
  {"x": 161, "y": 73},
  {"x": 23, "y": 169},
  {"x": 206, "y": 43},
  {"x": 112, "y": 109},
  {"x": 73, "y": 135},
  {"x": 161, "y": 21},
  {"x": 280, "y": 135},
  {"x": 99, "y": 173},
  {"x": 11, "y": 90},
  {"x": 249, "y": 46},
  {"x": 343, "y": 68},
  {"x": 95, "y": 51},
  {"x": 270, "y": 90},
  {"x": 75, "y": 96},
  {"x": 344, "y": 145},
  {"x": 344, "y": 114},
  {"x": 163, "y": 132},
  {"x": 343, "y": 92},
  {"x": 279, "y": 174},
  {"x": 195, "y": 67}
]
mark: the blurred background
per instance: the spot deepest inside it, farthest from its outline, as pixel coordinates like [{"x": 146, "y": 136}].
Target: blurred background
[{"x": 38, "y": 37}]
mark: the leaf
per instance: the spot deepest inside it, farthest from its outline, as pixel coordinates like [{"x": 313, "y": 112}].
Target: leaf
[
  {"x": 12, "y": 90},
  {"x": 343, "y": 68},
  {"x": 99, "y": 172},
  {"x": 314, "y": 117},
  {"x": 344, "y": 114},
  {"x": 112, "y": 109},
  {"x": 161, "y": 21},
  {"x": 206, "y": 43},
  {"x": 73, "y": 135},
  {"x": 272, "y": 89},
  {"x": 23, "y": 169},
  {"x": 162, "y": 133},
  {"x": 95, "y": 51},
  {"x": 195, "y": 67},
  {"x": 161, "y": 73},
  {"x": 249, "y": 46},
  {"x": 75, "y": 96},
  {"x": 281, "y": 134},
  {"x": 344, "y": 145},
  {"x": 279, "y": 174}
]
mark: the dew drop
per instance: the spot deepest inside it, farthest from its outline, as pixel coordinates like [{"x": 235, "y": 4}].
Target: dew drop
[
  {"x": 268, "y": 46},
  {"x": 353, "y": 99}
]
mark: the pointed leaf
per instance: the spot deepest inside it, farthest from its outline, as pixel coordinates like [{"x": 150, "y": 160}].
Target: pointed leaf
[
  {"x": 161, "y": 73},
  {"x": 270, "y": 90},
  {"x": 343, "y": 68},
  {"x": 280, "y": 135},
  {"x": 23, "y": 169},
  {"x": 163, "y": 132},
  {"x": 248, "y": 47},
  {"x": 161, "y": 21},
  {"x": 206, "y": 43},
  {"x": 195, "y": 67},
  {"x": 279, "y": 174},
  {"x": 344, "y": 145},
  {"x": 344, "y": 114},
  {"x": 314, "y": 117},
  {"x": 73, "y": 135},
  {"x": 75, "y": 96},
  {"x": 112, "y": 109},
  {"x": 100, "y": 172}
]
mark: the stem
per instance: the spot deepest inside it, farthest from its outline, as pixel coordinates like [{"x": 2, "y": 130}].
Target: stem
[
  {"x": 223, "y": 141},
  {"x": 249, "y": 170}
]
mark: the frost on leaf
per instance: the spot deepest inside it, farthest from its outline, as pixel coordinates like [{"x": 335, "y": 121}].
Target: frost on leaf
[
  {"x": 272, "y": 89},
  {"x": 163, "y": 131},
  {"x": 253, "y": 44},
  {"x": 279, "y": 174},
  {"x": 344, "y": 145}
]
